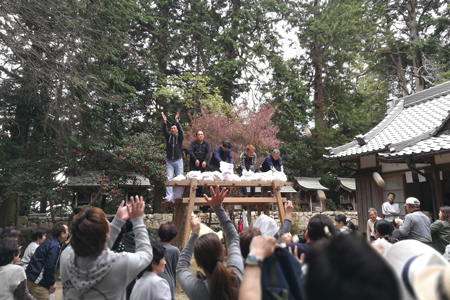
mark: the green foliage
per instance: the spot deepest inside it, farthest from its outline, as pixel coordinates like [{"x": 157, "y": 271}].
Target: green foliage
[{"x": 331, "y": 206}]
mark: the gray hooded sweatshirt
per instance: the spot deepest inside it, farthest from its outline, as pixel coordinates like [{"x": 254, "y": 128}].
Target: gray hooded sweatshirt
[{"x": 107, "y": 275}]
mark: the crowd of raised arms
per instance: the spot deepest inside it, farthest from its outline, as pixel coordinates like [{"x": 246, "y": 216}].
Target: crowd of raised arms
[{"x": 401, "y": 257}]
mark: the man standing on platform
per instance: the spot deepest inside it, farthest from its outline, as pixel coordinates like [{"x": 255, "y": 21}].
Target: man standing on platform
[
  {"x": 221, "y": 153},
  {"x": 199, "y": 152},
  {"x": 390, "y": 209},
  {"x": 174, "y": 150},
  {"x": 272, "y": 162},
  {"x": 247, "y": 161}
]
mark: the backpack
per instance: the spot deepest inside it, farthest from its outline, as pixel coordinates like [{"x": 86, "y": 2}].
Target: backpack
[{"x": 281, "y": 277}]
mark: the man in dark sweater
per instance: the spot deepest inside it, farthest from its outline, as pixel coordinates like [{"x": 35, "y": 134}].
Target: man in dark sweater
[
  {"x": 272, "y": 162},
  {"x": 247, "y": 161},
  {"x": 199, "y": 152},
  {"x": 174, "y": 150},
  {"x": 221, "y": 153},
  {"x": 44, "y": 260}
]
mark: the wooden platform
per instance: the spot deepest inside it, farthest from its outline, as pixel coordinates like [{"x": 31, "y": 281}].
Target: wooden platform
[{"x": 262, "y": 203}]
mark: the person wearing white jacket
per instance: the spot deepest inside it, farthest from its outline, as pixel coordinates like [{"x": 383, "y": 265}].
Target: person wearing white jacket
[{"x": 89, "y": 269}]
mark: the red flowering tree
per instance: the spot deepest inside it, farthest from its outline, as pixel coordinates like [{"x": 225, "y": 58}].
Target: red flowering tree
[
  {"x": 135, "y": 155},
  {"x": 240, "y": 125}
]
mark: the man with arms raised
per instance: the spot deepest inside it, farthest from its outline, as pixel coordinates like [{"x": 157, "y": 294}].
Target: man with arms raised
[{"x": 174, "y": 150}]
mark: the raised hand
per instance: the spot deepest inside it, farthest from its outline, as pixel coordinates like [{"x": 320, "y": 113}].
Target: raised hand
[
  {"x": 176, "y": 117},
  {"x": 195, "y": 224},
  {"x": 295, "y": 254},
  {"x": 122, "y": 212},
  {"x": 164, "y": 117},
  {"x": 216, "y": 197},
  {"x": 136, "y": 207},
  {"x": 286, "y": 238},
  {"x": 289, "y": 208},
  {"x": 262, "y": 246}
]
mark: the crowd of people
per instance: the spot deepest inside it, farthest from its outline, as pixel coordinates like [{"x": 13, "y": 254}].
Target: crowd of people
[
  {"x": 331, "y": 260},
  {"x": 115, "y": 258}
]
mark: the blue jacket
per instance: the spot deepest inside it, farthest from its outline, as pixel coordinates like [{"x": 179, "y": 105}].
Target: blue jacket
[
  {"x": 44, "y": 258},
  {"x": 269, "y": 163},
  {"x": 220, "y": 155}
]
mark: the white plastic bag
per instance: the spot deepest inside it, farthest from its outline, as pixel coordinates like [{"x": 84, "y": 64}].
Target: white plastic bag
[
  {"x": 244, "y": 220},
  {"x": 265, "y": 176},
  {"x": 267, "y": 225},
  {"x": 177, "y": 193},
  {"x": 247, "y": 175},
  {"x": 226, "y": 167},
  {"x": 179, "y": 178},
  {"x": 236, "y": 177},
  {"x": 170, "y": 198},
  {"x": 218, "y": 176},
  {"x": 207, "y": 176},
  {"x": 279, "y": 176},
  {"x": 227, "y": 176},
  {"x": 194, "y": 174}
]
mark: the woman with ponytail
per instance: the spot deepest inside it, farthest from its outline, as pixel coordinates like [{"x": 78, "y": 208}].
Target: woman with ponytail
[
  {"x": 221, "y": 282},
  {"x": 344, "y": 224},
  {"x": 383, "y": 230}
]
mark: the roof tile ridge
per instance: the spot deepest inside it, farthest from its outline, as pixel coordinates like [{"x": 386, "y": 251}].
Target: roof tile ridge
[{"x": 437, "y": 94}]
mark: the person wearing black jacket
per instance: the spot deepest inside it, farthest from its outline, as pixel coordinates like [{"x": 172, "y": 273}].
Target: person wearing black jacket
[
  {"x": 199, "y": 152},
  {"x": 44, "y": 260},
  {"x": 174, "y": 150}
]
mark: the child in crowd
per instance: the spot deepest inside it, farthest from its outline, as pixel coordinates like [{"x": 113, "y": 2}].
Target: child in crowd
[{"x": 150, "y": 286}]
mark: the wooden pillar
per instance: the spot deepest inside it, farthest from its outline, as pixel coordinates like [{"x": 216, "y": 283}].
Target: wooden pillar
[
  {"x": 178, "y": 220},
  {"x": 276, "y": 190},
  {"x": 249, "y": 215},
  {"x": 190, "y": 209},
  {"x": 265, "y": 194},
  {"x": 437, "y": 186}
]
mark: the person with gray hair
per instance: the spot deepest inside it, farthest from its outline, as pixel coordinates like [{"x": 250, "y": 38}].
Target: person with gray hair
[
  {"x": 373, "y": 218},
  {"x": 416, "y": 225},
  {"x": 272, "y": 162}
]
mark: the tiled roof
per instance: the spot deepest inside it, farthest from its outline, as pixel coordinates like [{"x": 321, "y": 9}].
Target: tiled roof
[
  {"x": 348, "y": 184},
  {"x": 309, "y": 183},
  {"x": 413, "y": 119},
  {"x": 90, "y": 179},
  {"x": 432, "y": 144}
]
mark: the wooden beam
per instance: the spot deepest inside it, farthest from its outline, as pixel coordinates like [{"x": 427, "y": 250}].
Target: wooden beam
[
  {"x": 187, "y": 224},
  {"x": 237, "y": 201},
  {"x": 178, "y": 220},
  {"x": 265, "y": 207},
  {"x": 202, "y": 183},
  {"x": 277, "y": 193}
]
